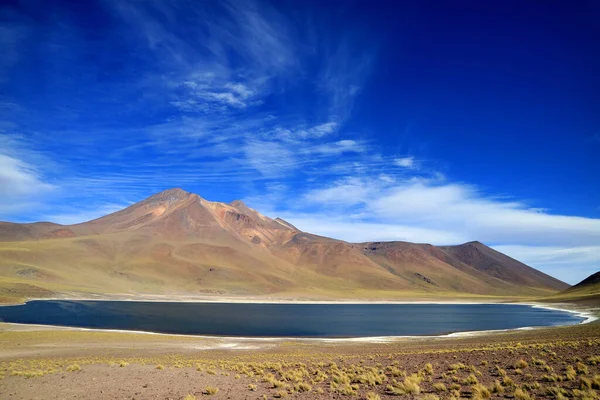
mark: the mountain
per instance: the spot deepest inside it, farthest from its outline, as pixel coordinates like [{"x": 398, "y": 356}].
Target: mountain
[
  {"x": 585, "y": 292},
  {"x": 591, "y": 284},
  {"x": 501, "y": 266},
  {"x": 178, "y": 243}
]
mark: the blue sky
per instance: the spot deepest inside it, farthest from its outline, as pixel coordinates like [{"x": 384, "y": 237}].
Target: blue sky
[{"x": 437, "y": 122}]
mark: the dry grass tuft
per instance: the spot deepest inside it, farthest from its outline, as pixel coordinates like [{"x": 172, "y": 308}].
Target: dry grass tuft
[
  {"x": 497, "y": 387},
  {"x": 346, "y": 389},
  {"x": 210, "y": 390},
  {"x": 585, "y": 383},
  {"x": 480, "y": 392},
  {"x": 456, "y": 367},
  {"x": 440, "y": 387},
  {"x": 372, "y": 396},
  {"x": 73, "y": 368},
  {"x": 557, "y": 392},
  {"x": 538, "y": 361},
  {"x": 581, "y": 369},
  {"x": 428, "y": 369},
  {"x": 593, "y": 360},
  {"x": 570, "y": 373},
  {"x": 531, "y": 386},
  {"x": 521, "y": 394},
  {"x": 471, "y": 380},
  {"x": 410, "y": 385},
  {"x": 507, "y": 381},
  {"x": 585, "y": 394},
  {"x": 302, "y": 387}
]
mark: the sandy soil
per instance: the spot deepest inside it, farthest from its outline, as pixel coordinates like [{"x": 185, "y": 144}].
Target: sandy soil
[
  {"x": 35, "y": 364},
  {"x": 450, "y": 298}
]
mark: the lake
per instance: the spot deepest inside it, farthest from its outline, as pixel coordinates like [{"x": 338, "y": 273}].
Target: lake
[{"x": 285, "y": 320}]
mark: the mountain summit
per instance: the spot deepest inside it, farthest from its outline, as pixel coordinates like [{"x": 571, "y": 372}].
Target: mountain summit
[{"x": 178, "y": 242}]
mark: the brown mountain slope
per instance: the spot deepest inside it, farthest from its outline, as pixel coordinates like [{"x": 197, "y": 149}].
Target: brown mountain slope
[
  {"x": 501, "y": 266},
  {"x": 591, "y": 283},
  {"x": 38, "y": 230},
  {"x": 586, "y": 292},
  {"x": 176, "y": 242},
  {"x": 428, "y": 266},
  {"x": 589, "y": 287}
]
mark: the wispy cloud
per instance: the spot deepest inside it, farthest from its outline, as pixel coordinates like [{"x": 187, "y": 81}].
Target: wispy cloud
[
  {"x": 341, "y": 78},
  {"x": 570, "y": 264},
  {"x": 429, "y": 210},
  {"x": 22, "y": 182},
  {"x": 269, "y": 158},
  {"x": 405, "y": 162},
  {"x": 19, "y": 180},
  {"x": 339, "y": 147},
  {"x": 206, "y": 94},
  {"x": 244, "y": 59},
  {"x": 458, "y": 207},
  {"x": 85, "y": 213}
]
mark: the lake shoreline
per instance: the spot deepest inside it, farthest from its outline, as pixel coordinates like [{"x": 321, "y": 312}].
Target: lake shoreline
[{"x": 588, "y": 315}]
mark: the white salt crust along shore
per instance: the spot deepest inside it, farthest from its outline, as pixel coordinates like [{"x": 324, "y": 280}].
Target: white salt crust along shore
[{"x": 230, "y": 341}]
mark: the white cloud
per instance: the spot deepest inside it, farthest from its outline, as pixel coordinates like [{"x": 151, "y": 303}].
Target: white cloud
[
  {"x": 18, "y": 178},
  {"x": 461, "y": 207},
  {"x": 231, "y": 61},
  {"x": 341, "y": 78},
  {"x": 86, "y": 214},
  {"x": 353, "y": 229},
  {"x": 449, "y": 213},
  {"x": 22, "y": 183},
  {"x": 209, "y": 92},
  {"x": 319, "y": 130},
  {"x": 569, "y": 264},
  {"x": 269, "y": 158},
  {"x": 240, "y": 89},
  {"x": 244, "y": 55},
  {"x": 302, "y": 133},
  {"x": 339, "y": 147},
  {"x": 405, "y": 162},
  {"x": 347, "y": 192}
]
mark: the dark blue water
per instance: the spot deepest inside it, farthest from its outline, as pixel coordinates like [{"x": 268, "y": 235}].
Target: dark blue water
[{"x": 288, "y": 320}]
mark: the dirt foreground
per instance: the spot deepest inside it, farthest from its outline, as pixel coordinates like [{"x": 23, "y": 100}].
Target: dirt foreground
[{"x": 61, "y": 363}]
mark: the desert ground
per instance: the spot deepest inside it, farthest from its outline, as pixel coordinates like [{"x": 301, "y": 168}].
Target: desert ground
[{"x": 62, "y": 363}]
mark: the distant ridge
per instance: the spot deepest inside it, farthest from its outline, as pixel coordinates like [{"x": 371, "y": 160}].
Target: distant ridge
[
  {"x": 501, "y": 266},
  {"x": 588, "y": 286},
  {"x": 177, "y": 242},
  {"x": 591, "y": 281},
  {"x": 586, "y": 292}
]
